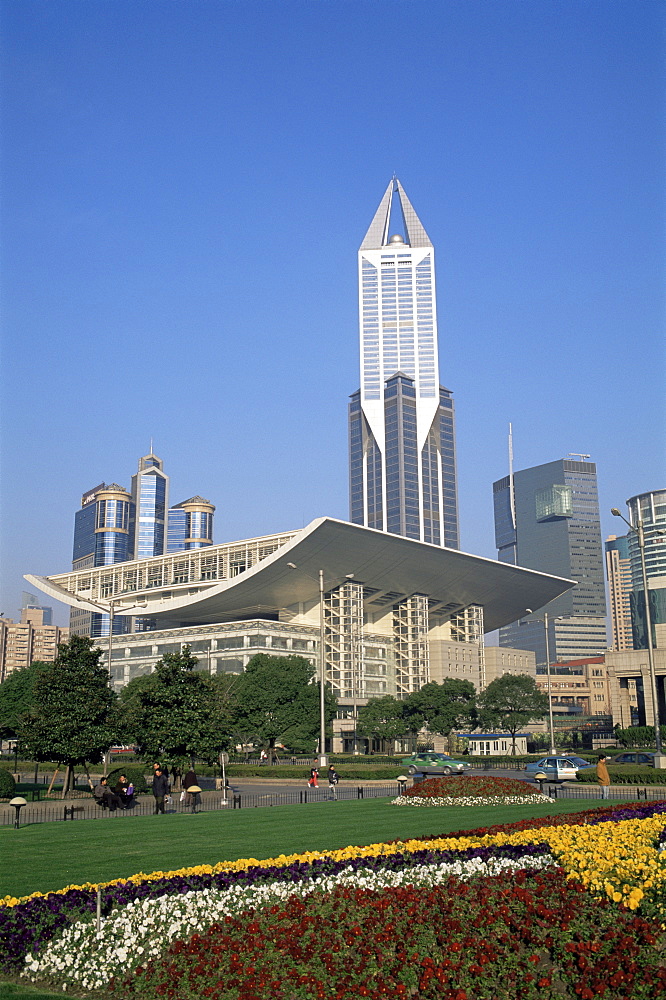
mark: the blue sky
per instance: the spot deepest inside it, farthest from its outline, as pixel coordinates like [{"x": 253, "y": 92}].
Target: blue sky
[{"x": 185, "y": 188}]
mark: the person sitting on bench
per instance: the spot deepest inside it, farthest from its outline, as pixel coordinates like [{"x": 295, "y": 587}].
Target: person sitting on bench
[
  {"x": 105, "y": 797},
  {"x": 122, "y": 790}
]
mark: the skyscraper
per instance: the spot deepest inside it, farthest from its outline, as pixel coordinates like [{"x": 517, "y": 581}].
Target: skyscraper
[
  {"x": 150, "y": 499},
  {"x": 650, "y": 508},
  {"x": 401, "y": 421},
  {"x": 101, "y": 538},
  {"x": 618, "y": 574},
  {"x": 547, "y": 518},
  {"x": 190, "y": 525}
]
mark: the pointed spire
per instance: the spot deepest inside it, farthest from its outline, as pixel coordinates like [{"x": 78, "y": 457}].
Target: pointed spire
[{"x": 378, "y": 235}]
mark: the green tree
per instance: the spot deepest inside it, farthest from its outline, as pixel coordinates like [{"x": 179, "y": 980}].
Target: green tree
[
  {"x": 382, "y": 719},
  {"x": 175, "y": 713},
  {"x": 16, "y": 697},
  {"x": 69, "y": 720},
  {"x": 441, "y": 708},
  {"x": 277, "y": 698},
  {"x": 511, "y": 702}
]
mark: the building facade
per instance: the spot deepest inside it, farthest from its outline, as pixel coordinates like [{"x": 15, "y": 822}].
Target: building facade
[
  {"x": 190, "y": 525},
  {"x": 547, "y": 518},
  {"x": 28, "y": 641},
  {"x": 396, "y": 613},
  {"x": 650, "y": 509},
  {"x": 102, "y": 537},
  {"x": 115, "y": 526},
  {"x": 618, "y": 575},
  {"x": 150, "y": 503},
  {"x": 402, "y": 463}
]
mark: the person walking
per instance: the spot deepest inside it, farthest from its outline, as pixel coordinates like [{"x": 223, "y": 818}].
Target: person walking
[
  {"x": 333, "y": 779},
  {"x": 190, "y": 780},
  {"x": 314, "y": 777},
  {"x": 160, "y": 789},
  {"x": 603, "y": 777}
]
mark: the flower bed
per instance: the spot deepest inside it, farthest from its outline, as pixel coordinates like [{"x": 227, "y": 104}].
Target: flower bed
[
  {"x": 467, "y": 791},
  {"x": 569, "y": 906}
]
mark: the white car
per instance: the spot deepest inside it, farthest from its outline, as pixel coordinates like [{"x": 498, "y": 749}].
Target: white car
[{"x": 558, "y": 768}]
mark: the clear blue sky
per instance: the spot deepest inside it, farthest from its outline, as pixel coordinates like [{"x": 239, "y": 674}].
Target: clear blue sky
[{"x": 185, "y": 189}]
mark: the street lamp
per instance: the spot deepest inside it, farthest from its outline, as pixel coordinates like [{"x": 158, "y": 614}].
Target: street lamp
[
  {"x": 551, "y": 727},
  {"x": 323, "y": 760},
  {"x": 639, "y": 531}
]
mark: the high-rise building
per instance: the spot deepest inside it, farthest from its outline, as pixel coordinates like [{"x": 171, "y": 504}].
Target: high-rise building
[
  {"x": 101, "y": 538},
  {"x": 650, "y": 508},
  {"x": 115, "y": 526},
  {"x": 190, "y": 525},
  {"x": 547, "y": 518},
  {"x": 618, "y": 574},
  {"x": 150, "y": 499},
  {"x": 401, "y": 421},
  {"x": 30, "y": 602},
  {"x": 32, "y": 639}
]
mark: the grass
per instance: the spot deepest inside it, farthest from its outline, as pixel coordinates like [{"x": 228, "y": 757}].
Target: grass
[{"x": 46, "y": 856}]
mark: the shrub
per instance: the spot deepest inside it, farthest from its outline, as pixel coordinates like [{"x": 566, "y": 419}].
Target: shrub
[
  {"x": 7, "y": 784},
  {"x": 627, "y": 775},
  {"x": 134, "y": 775}
]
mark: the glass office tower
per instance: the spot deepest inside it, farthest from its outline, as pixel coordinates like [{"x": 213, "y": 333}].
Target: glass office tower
[
  {"x": 401, "y": 421},
  {"x": 190, "y": 525},
  {"x": 650, "y": 508},
  {"x": 150, "y": 497},
  {"x": 101, "y": 538},
  {"x": 547, "y": 518}
]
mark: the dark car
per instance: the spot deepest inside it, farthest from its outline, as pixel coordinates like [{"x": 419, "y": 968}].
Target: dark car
[{"x": 646, "y": 759}]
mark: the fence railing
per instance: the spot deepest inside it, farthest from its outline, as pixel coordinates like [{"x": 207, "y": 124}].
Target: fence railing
[{"x": 86, "y": 808}]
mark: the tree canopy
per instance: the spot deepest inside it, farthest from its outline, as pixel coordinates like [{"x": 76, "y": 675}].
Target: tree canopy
[
  {"x": 442, "y": 707},
  {"x": 277, "y": 699},
  {"x": 382, "y": 719},
  {"x": 511, "y": 702},
  {"x": 69, "y": 720},
  {"x": 176, "y": 712},
  {"x": 16, "y": 696}
]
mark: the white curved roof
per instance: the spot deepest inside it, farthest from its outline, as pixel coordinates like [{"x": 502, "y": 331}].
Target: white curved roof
[{"x": 391, "y": 568}]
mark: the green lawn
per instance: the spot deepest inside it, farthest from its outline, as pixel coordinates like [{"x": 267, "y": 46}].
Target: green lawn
[{"x": 46, "y": 856}]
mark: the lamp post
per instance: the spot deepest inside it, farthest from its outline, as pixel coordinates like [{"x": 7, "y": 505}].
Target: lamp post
[
  {"x": 551, "y": 727},
  {"x": 323, "y": 759},
  {"x": 110, "y": 609},
  {"x": 639, "y": 531}
]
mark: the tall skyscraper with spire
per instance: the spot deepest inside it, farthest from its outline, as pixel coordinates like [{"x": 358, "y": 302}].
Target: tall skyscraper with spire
[{"x": 401, "y": 421}]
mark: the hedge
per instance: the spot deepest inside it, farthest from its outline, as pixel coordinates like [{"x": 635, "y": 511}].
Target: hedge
[
  {"x": 355, "y": 772},
  {"x": 631, "y": 774}
]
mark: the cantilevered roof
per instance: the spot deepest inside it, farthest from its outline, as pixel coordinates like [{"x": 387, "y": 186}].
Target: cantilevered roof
[{"x": 391, "y": 568}]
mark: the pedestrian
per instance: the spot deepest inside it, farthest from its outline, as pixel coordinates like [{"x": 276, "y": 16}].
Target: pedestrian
[
  {"x": 314, "y": 777},
  {"x": 190, "y": 779},
  {"x": 160, "y": 789},
  {"x": 333, "y": 779},
  {"x": 603, "y": 777},
  {"x": 163, "y": 768}
]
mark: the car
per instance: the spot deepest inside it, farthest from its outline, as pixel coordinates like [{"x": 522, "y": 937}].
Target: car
[
  {"x": 430, "y": 762},
  {"x": 646, "y": 759},
  {"x": 558, "y": 768}
]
